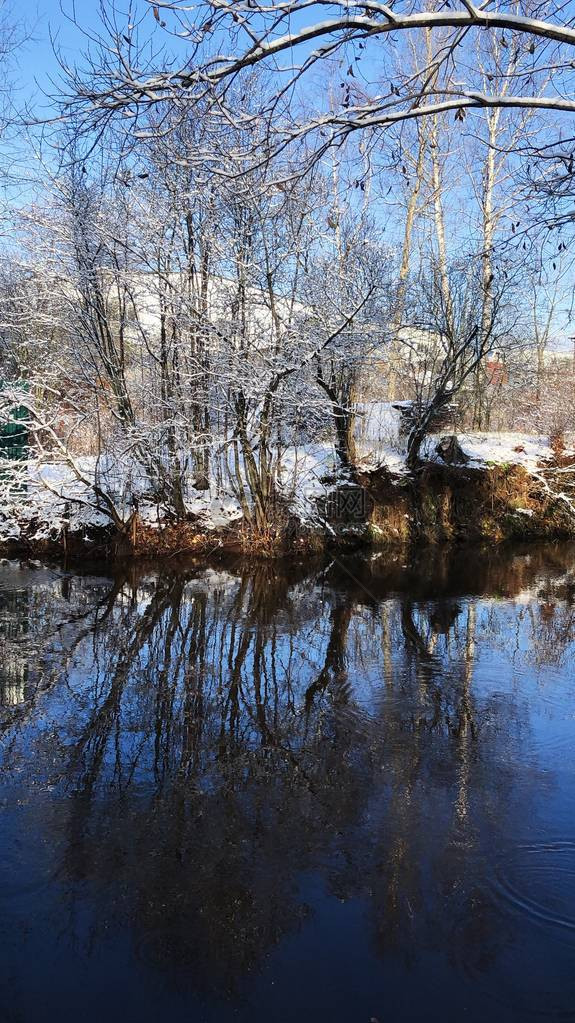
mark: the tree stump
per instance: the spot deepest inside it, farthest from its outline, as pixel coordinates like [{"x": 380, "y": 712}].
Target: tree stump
[{"x": 450, "y": 450}]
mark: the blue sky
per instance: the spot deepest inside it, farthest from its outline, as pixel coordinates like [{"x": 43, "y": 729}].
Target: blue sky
[
  {"x": 36, "y": 58},
  {"x": 36, "y": 62}
]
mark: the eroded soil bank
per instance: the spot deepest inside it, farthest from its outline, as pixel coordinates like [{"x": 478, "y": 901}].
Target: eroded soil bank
[{"x": 439, "y": 504}]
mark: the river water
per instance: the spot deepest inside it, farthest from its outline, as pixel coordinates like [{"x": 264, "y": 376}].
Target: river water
[{"x": 332, "y": 791}]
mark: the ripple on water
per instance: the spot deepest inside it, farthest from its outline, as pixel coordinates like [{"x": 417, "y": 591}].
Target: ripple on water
[
  {"x": 536, "y": 883},
  {"x": 517, "y": 946}
]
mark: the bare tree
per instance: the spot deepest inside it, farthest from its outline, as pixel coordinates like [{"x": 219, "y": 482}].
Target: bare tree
[
  {"x": 448, "y": 344},
  {"x": 258, "y": 32}
]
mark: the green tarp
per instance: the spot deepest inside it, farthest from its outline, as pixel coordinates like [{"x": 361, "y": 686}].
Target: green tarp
[{"x": 14, "y": 433}]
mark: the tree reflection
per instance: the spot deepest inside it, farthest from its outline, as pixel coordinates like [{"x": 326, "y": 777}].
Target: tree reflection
[{"x": 211, "y": 736}]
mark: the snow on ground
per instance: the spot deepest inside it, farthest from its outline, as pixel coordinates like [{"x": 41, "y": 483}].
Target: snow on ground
[
  {"x": 51, "y": 497},
  {"x": 505, "y": 448},
  {"x": 379, "y": 442},
  {"x": 304, "y": 475},
  {"x": 213, "y": 510},
  {"x": 374, "y": 456},
  {"x": 483, "y": 449}
]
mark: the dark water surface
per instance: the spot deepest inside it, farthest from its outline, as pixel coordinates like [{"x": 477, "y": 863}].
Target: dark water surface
[{"x": 332, "y": 792}]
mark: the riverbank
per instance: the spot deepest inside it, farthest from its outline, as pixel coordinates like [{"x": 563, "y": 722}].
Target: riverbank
[{"x": 378, "y": 510}]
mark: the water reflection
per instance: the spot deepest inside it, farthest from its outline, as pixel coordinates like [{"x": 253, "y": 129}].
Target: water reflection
[{"x": 333, "y": 791}]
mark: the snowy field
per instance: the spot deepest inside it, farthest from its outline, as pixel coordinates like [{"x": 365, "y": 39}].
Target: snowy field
[{"x": 379, "y": 443}]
